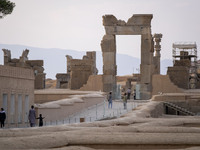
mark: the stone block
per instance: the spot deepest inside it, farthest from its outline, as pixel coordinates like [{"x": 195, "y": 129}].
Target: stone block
[
  {"x": 108, "y": 44},
  {"x": 145, "y": 95},
  {"x": 35, "y": 62},
  {"x": 183, "y": 62},
  {"x": 109, "y": 79},
  {"x": 109, "y": 58},
  {"x": 146, "y": 87},
  {"x": 140, "y": 19},
  {"x": 146, "y": 73},
  {"x": 109, "y": 20},
  {"x": 40, "y": 81},
  {"x": 124, "y": 30},
  {"x": 107, "y": 87},
  {"x": 179, "y": 75},
  {"x": 39, "y": 69}
]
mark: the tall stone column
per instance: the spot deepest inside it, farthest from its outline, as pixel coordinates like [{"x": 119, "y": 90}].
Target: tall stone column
[
  {"x": 108, "y": 46},
  {"x": 157, "y": 48},
  {"x": 146, "y": 66}
]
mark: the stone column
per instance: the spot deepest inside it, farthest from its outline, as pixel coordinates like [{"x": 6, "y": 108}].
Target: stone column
[
  {"x": 108, "y": 46},
  {"x": 146, "y": 66},
  {"x": 157, "y": 48}
]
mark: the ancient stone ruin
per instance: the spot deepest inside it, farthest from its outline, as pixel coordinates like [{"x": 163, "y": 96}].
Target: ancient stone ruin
[
  {"x": 78, "y": 71},
  {"x": 136, "y": 25},
  {"x": 23, "y": 62},
  {"x": 184, "y": 72}
]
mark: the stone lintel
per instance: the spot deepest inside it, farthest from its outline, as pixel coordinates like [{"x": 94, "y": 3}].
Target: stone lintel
[
  {"x": 80, "y": 62},
  {"x": 137, "y": 19},
  {"x": 125, "y": 30},
  {"x": 35, "y": 62},
  {"x": 81, "y": 68},
  {"x": 62, "y": 75}
]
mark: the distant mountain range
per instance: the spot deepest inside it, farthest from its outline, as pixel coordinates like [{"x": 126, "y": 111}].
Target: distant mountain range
[{"x": 55, "y": 60}]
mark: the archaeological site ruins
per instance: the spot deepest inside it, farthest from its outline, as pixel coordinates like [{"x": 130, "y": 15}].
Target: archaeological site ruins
[{"x": 162, "y": 112}]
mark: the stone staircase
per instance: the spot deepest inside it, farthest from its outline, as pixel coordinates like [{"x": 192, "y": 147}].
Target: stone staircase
[{"x": 179, "y": 109}]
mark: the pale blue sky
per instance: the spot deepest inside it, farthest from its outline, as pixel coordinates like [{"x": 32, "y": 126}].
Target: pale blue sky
[{"x": 77, "y": 24}]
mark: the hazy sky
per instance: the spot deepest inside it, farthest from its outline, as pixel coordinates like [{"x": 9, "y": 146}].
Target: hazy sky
[{"x": 77, "y": 24}]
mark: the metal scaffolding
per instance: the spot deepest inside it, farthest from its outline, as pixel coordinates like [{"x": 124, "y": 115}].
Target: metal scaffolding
[{"x": 188, "y": 51}]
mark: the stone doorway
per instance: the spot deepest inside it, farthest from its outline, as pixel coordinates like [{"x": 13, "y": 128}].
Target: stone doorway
[
  {"x": 136, "y": 25},
  {"x": 124, "y": 45}
]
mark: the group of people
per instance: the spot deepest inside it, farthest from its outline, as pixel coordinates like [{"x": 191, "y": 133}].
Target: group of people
[
  {"x": 125, "y": 97},
  {"x": 32, "y": 117}
]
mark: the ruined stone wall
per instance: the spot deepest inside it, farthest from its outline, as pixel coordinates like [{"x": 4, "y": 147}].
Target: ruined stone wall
[
  {"x": 80, "y": 72},
  {"x": 179, "y": 75},
  {"x": 81, "y": 69},
  {"x": 36, "y": 65},
  {"x": 162, "y": 84},
  {"x": 16, "y": 93},
  {"x": 62, "y": 80},
  {"x": 94, "y": 83}
]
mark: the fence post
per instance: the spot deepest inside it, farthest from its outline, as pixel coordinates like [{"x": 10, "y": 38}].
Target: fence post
[{"x": 96, "y": 111}]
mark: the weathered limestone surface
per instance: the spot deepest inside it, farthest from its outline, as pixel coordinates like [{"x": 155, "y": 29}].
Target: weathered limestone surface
[
  {"x": 63, "y": 108},
  {"x": 136, "y": 130}
]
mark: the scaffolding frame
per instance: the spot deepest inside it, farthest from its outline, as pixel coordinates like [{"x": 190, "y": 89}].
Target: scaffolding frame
[{"x": 189, "y": 48}]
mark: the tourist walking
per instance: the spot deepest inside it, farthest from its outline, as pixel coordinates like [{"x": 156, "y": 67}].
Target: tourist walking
[
  {"x": 125, "y": 101},
  {"x": 2, "y": 117},
  {"x": 32, "y": 116},
  {"x": 128, "y": 93},
  {"x": 110, "y": 100},
  {"x": 40, "y": 120}
]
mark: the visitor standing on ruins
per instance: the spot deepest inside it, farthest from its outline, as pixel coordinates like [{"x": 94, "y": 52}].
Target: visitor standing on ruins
[
  {"x": 110, "y": 100},
  {"x": 40, "y": 120},
  {"x": 134, "y": 96},
  {"x": 128, "y": 93},
  {"x": 2, "y": 117},
  {"x": 32, "y": 116},
  {"x": 125, "y": 101}
]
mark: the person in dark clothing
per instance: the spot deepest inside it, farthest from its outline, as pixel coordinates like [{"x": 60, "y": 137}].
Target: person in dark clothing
[
  {"x": 40, "y": 120},
  {"x": 32, "y": 116},
  {"x": 110, "y": 100},
  {"x": 128, "y": 93},
  {"x": 2, "y": 117}
]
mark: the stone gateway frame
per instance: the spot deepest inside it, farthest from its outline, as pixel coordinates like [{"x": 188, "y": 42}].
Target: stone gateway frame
[{"x": 139, "y": 24}]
